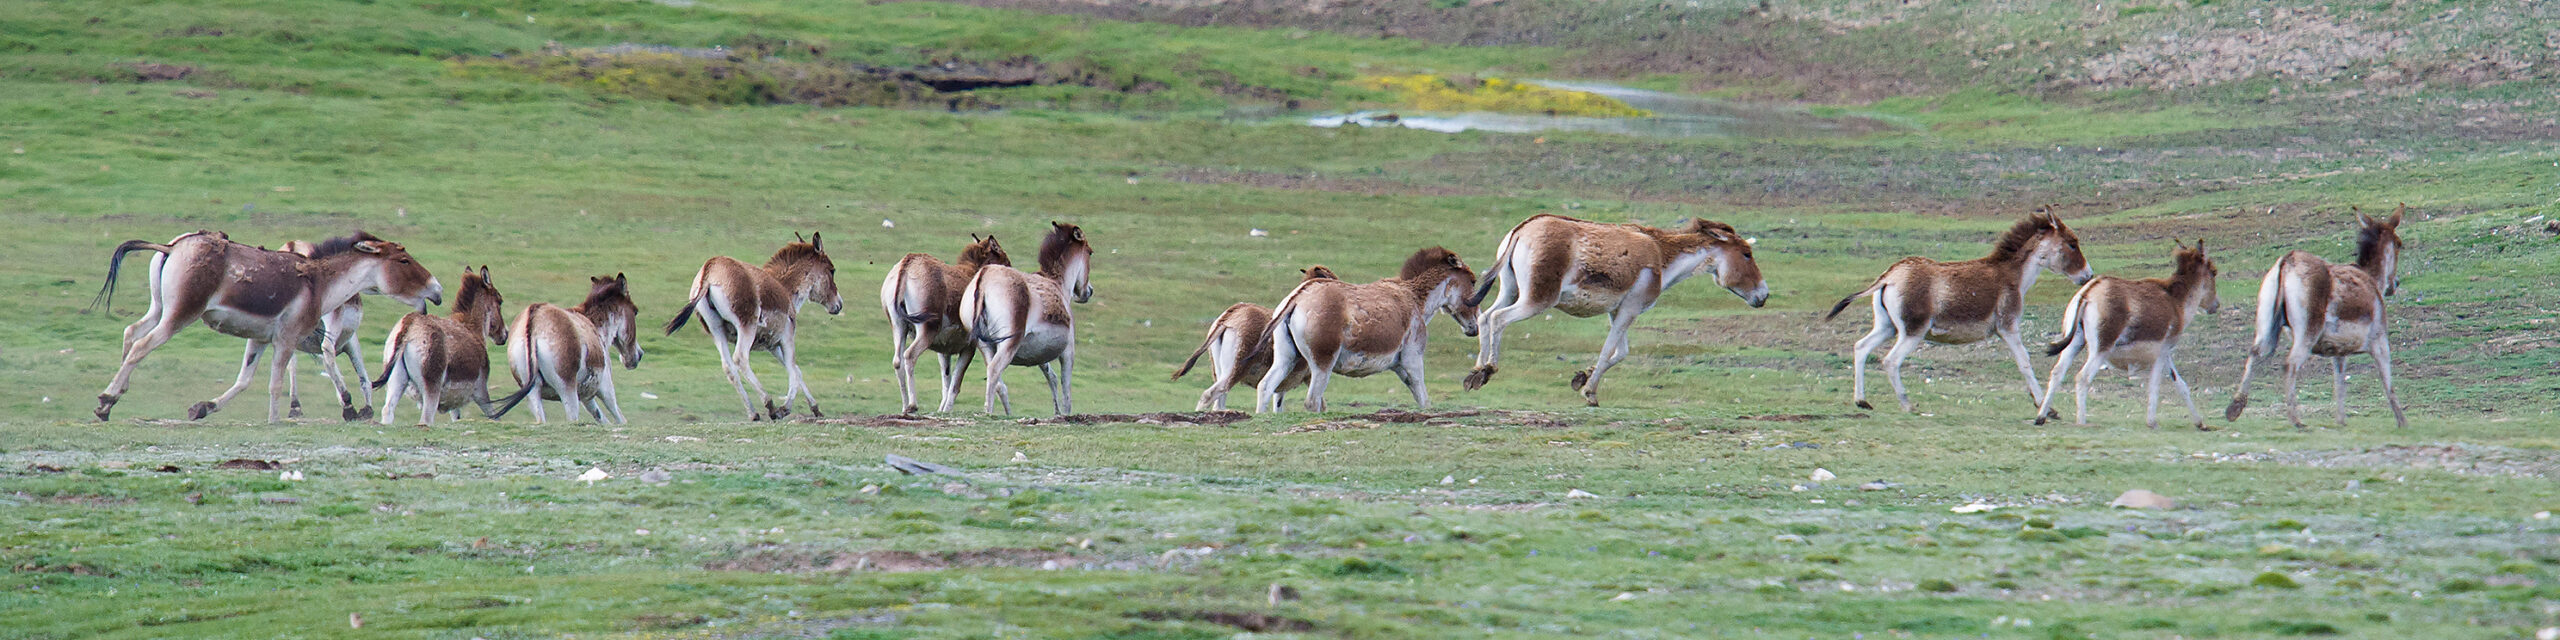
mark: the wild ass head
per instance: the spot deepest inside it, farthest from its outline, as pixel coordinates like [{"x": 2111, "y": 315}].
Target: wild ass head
[
  {"x": 2045, "y": 243},
  {"x": 1715, "y": 245},
  {"x": 2378, "y": 248},
  {"x": 1446, "y": 281},
  {"x": 609, "y": 306},
  {"x": 380, "y": 267},
  {"x": 983, "y": 251},
  {"x": 2196, "y": 270},
  {"x": 1067, "y": 258},
  {"x": 805, "y": 268},
  {"x": 479, "y": 306}
]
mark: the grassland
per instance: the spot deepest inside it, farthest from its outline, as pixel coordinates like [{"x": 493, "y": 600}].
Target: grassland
[{"x": 297, "y": 121}]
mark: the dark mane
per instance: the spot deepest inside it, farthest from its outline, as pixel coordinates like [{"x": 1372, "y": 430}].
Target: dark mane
[
  {"x": 605, "y": 297},
  {"x": 1702, "y": 225},
  {"x": 2369, "y": 243},
  {"x": 1424, "y": 262},
  {"x": 796, "y": 253},
  {"x": 2015, "y": 240},
  {"x": 341, "y": 244},
  {"x": 1053, "y": 249},
  {"x": 473, "y": 286}
]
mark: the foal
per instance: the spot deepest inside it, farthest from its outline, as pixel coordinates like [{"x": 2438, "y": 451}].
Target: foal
[
  {"x": 2334, "y": 310},
  {"x": 348, "y": 316},
  {"x": 746, "y": 308},
  {"x": 1963, "y": 302},
  {"x": 562, "y": 352},
  {"x": 444, "y": 359},
  {"x": 922, "y": 297},
  {"x": 1022, "y": 319},
  {"x": 1239, "y": 347},
  {"x": 1329, "y": 326},
  {"x": 1586, "y": 268},
  {"x": 2129, "y": 323}
]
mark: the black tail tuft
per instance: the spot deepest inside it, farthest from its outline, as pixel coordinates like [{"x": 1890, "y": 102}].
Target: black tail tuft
[
  {"x": 919, "y": 318},
  {"x": 1483, "y": 288},
  {"x": 1842, "y": 306},
  {"x": 682, "y": 315},
  {"x": 1195, "y": 357},
  {"x": 2055, "y": 349},
  {"x": 115, "y": 262},
  {"x": 509, "y": 403}
]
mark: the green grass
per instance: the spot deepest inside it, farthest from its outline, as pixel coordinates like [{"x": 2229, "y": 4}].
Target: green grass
[{"x": 326, "y": 118}]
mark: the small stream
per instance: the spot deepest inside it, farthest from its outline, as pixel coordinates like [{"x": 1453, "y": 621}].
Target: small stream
[{"x": 1674, "y": 116}]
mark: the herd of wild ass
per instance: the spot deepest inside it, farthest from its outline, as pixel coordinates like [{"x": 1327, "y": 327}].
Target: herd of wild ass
[{"x": 306, "y": 296}]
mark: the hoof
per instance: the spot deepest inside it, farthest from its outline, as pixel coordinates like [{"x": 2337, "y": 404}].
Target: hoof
[
  {"x": 1590, "y": 400},
  {"x": 1862, "y": 404},
  {"x": 1580, "y": 378},
  {"x": 2049, "y": 414},
  {"x": 1477, "y": 377},
  {"x": 293, "y": 412},
  {"x": 2232, "y": 413},
  {"x": 349, "y": 414},
  {"x": 200, "y": 410},
  {"x": 2200, "y": 426},
  {"x": 2040, "y": 420},
  {"x": 106, "y": 404},
  {"x": 813, "y": 412}
]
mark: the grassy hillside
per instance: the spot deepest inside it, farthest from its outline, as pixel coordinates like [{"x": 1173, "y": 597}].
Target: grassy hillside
[{"x": 525, "y": 136}]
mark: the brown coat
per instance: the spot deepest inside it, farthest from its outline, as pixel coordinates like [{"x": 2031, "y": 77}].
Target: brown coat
[
  {"x": 2133, "y": 323},
  {"x": 1919, "y": 299},
  {"x": 1330, "y": 326},
  {"x": 746, "y": 309},
  {"x": 921, "y": 296},
  {"x": 445, "y": 360},
  {"x": 1586, "y": 268},
  {"x": 2334, "y": 311},
  {"x": 1239, "y": 348}
]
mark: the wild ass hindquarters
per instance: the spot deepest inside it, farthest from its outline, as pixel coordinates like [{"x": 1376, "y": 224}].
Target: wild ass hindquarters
[
  {"x": 727, "y": 300},
  {"x": 348, "y": 317},
  {"x": 913, "y": 297},
  {"x": 2105, "y": 321},
  {"x": 1239, "y": 350},
  {"x": 1021, "y": 319},
  {"x": 2310, "y": 297},
  {"x": 1314, "y": 334},
  {"x": 559, "y": 355}
]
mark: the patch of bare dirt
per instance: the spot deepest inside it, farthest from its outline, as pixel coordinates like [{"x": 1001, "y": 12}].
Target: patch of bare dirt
[
  {"x": 1312, "y": 182},
  {"x": 249, "y": 464},
  {"x": 82, "y": 499},
  {"x": 1203, "y": 418},
  {"x": 157, "y": 72},
  {"x": 2465, "y": 459},
  {"x": 73, "y": 568},
  {"x": 779, "y": 561},
  {"x": 893, "y": 420},
  {"x": 1252, "y": 622}
]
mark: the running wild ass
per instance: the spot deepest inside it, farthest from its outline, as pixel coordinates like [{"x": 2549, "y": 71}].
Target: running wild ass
[
  {"x": 445, "y": 360},
  {"x": 921, "y": 296},
  {"x": 263, "y": 296},
  {"x": 1963, "y": 302},
  {"x": 1588, "y": 268},
  {"x": 2333, "y": 310},
  {"x": 349, "y": 316},
  {"x": 563, "y": 354},
  {"x": 747, "y": 308},
  {"x": 1023, "y": 319},
  {"x": 1329, "y": 326},
  {"x": 2134, "y": 323},
  {"x": 1239, "y": 347}
]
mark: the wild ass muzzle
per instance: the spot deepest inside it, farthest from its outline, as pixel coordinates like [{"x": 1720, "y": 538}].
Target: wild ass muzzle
[
  {"x": 1239, "y": 348},
  {"x": 1586, "y": 268},
  {"x": 565, "y": 354},
  {"x": 1963, "y": 302},
  {"x": 2134, "y": 323},
  {"x": 349, "y": 316},
  {"x": 2333, "y": 310},
  {"x": 446, "y": 360},
  {"x": 921, "y": 296},
  {"x": 1329, "y": 326},
  {"x": 750, "y": 308},
  {"x": 1022, "y": 319},
  {"x": 263, "y": 296}
]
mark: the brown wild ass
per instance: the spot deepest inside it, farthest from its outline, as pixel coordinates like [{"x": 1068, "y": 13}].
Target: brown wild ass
[
  {"x": 1328, "y": 326},
  {"x": 2334, "y": 310},
  {"x": 1963, "y": 302},
  {"x": 1023, "y": 319},
  {"x": 1239, "y": 347},
  {"x": 564, "y": 355},
  {"x": 2129, "y": 323},
  {"x": 1588, "y": 268},
  {"x": 349, "y": 316},
  {"x": 263, "y": 296},
  {"x": 921, "y": 296},
  {"x": 747, "y": 308},
  {"x": 445, "y": 360}
]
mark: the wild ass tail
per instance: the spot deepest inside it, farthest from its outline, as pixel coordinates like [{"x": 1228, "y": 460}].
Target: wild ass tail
[
  {"x": 115, "y": 262},
  {"x": 2271, "y": 312},
  {"x": 977, "y": 311},
  {"x": 508, "y": 403},
  {"x": 1872, "y": 289},
  {"x": 391, "y": 354},
  {"x": 1501, "y": 263},
  {"x": 2072, "y": 317},
  {"x": 1204, "y": 348}
]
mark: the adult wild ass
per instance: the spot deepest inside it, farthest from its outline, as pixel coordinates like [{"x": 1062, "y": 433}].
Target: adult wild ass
[
  {"x": 445, "y": 360},
  {"x": 1022, "y": 319},
  {"x": 1963, "y": 302},
  {"x": 263, "y": 296},
  {"x": 747, "y": 308},
  {"x": 1239, "y": 347},
  {"x": 1329, "y": 326},
  {"x": 2129, "y": 323},
  {"x": 350, "y": 317},
  {"x": 921, "y": 296},
  {"x": 2333, "y": 310},
  {"x": 562, "y": 354},
  {"x": 1588, "y": 268}
]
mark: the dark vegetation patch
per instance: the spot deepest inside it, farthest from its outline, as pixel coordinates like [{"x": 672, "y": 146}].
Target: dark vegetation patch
[
  {"x": 250, "y": 464},
  {"x": 1252, "y": 622},
  {"x": 70, "y": 568},
  {"x": 749, "y": 76},
  {"x": 1312, "y": 182},
  {"x": 1209, "y": 418},
  {"x": 157, "y": 72},
  {"x": 780, "y": 561}
]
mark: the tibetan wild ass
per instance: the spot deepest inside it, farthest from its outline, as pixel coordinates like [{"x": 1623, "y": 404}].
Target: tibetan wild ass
[
  {"x": 1022, "y": 319},
  {"x": 1329, "y": 326},
  {"x": 1239, "y": 348},
  {"x": 922, "y": 298},
  {"x": 349, "y": 316},
  {"x": 1963, "y": 302},
  {"x": 445, "y": 360},
  {"x": 264, "y": 296},
  {"x": 564, "y": 354},
  {"x": 1588, "y": 268},
  {"x": 746, "y": 308},
  {"x": 2333, "y": 310},
  {"x": 2129, "y": 323}
]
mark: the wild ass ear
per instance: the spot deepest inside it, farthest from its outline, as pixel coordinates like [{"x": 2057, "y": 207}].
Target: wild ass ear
[
  {"x": 2361, "y": 218},
  {"x": 796, "y": 237},
  {"x": 817, "y": 241},
  {"x": 618, "y": 277},
  {"x": 369, "y": 247},
  {"x": 2395, "y": 214},
  {"x": 2182, "y": 244},
  {"x": 2199, "y": 246},
  {"x": 484, "y": 273}
]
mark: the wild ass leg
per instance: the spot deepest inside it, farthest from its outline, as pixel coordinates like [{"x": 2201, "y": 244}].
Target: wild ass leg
[
  {"x": 279, "y": 378},
  {"x": 1050, "y": 374},
  {"x": 364, "y": 385},
  {"x": 248, "y": 368},
  {"x": 2018, "y": 351},
  {"x": 2053, "y": 379},
  {"x": 1409, "y": 369},
  {"x": 1882, "y": 333},
  {"x": 2088, "y": 372},
  {"x": 171, "y": 320},
  {"x": 2151, "y": 408},
  {"x": 902, "y": 361},
  {"x": 2390, "y": 388},
  {"x": 1284, "y": 358},
  {"x": 1067, "y": 376},
  {"x": 1223, "y": 366},
  {"x": 292, "y": 393},
  {"x": 604, "y": 389},
  {"x": 1612, "y": 350},
  {"x": 2183, "y": 393},
  {"x": 999, "y": 357},
  {"x": 2338, "y": 386},
  {"x": 2293, "y": 363},
  {"x": 796, "y": 387},
  {"x": 1909, "y": 342},
  {"x": 1510, "y": 306},
  {"x": 952, "y": 375}
]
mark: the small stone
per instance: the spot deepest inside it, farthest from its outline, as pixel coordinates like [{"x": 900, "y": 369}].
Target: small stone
[
  {"x": 1787, "y": 538},
  {"x": 1258, "y": 233},
  {"x": 682, "y": 439},
  {"x": 592, "y": 475},
  {"x": 2541, "y": 515},
  {"x": 1019, "y": 457},
  {"x": 2143, "y": 499},
  {"x": 870, "y": 489},
  {"x": 639, "y": 532},
  {"x": 1448, "y": 480},
  {"x": 1975, "y": 507},
  {"x": 1796, "y": 488},
  {"x": 886, "y": 224},
  {"x": 2547, "y": 633},
  {"x": 1823, "y": 475},
  {"x": 1578, "y": 493},
  {"x": 655, "y": 476},
  {"x": 1878, "y": 485},
  {"x": 1624, "y": 596}
]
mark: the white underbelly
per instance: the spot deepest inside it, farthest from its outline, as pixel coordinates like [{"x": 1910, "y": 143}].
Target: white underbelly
[
  {"x": 240, "y": 325},
  {"x": 2344, "y": 338},
  {"x": 1044, "y": 342},
  {"x": 1359, "y": 365},
  {"x": 2134, "y": 355},
  {"x": 1583, "y": 302}
]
